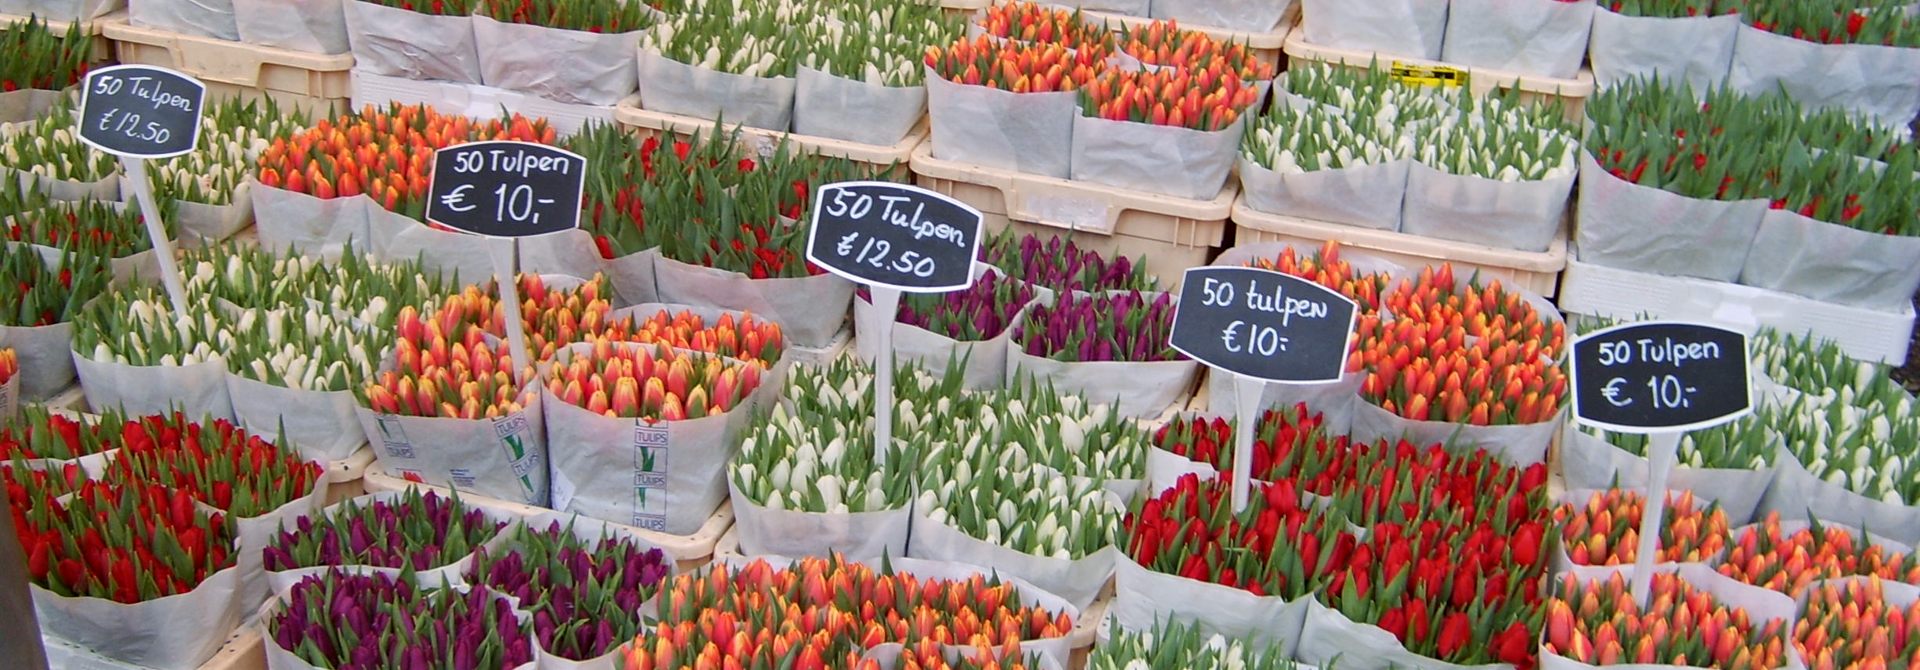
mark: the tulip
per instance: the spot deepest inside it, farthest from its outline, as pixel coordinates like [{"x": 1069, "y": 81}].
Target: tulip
[
  {"x": 127, "y": 542},
  {"x": 340, "y": 620},
  {"x": 583, "y": 596},
  {"x": 89, "y": 227},
  {"x": 1043, "y": 24},
  {"x": 418, "y": 532},
  {"x": 356, "y": 286},
  {"x": 1852, "y": 624},
  {"x": 9, "y": 365},
  {"x": 1765, "y": 555},
  {"x": 979, "y": 312},
  {"x": 1501, "y": 139},
  {"x": 50, "y": 147},
  {"x": 676, "y": 382},
  {"x": 1821, "y": 368},
  {"x": 750, "y": 38},
  {"x": 1209, "y": 99},
  {"x": 1060, "y": 265},
  {"x": 306, "y": 349},
  {"x": 1014, "y": 67},
  {"x": 1021, "y": 509},
  {"x": 1092, "y": 328},
  {"x": 1670, "y": 9},
  {"x": 217, "y": 463},
  {"x": 136, "y": 326},
  {"x": 1326, "y": 268},
  {"x": 39, "y": 433},
  {"x": 1274, "y": 547},
  {"x": 1600, "y": 623},
  {"x": 38, "y": 57},
  {"x": 1288, "y": 442},
  {"x": 1163, "y": 44},
  {"x": 46, "y": 294},
  {"x": 881, "y": 47},
  {"x": 747, "y": 338},
  {"x": 1604, "y": 528}
]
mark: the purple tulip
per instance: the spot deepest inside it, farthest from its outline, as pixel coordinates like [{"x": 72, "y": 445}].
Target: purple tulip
[
  {"x": 1092, "y": 328},
  {"x": 418, "y": 531},
  {"x": 979, "y": 312},
  {"x": 1063, "y": 266},
  {"x": 585, "y": 599}
]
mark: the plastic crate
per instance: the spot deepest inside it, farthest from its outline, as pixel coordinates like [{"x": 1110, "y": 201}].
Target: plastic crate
[
  {"x": 313, "y": 83},
  {"x": 1172, "y": 233},
  {"x": 474, "y": 100},
  {"x": 893, "y": 159},
  {"x": 1269, "y": 47},
  {"x": 102, "y": 51},
  {"x": 1597, "y": 290},
  {"x": 1572, "y": 93},
  {"x": 1535, "y": 271},
  {"x": 347, "y": 475},
  {"x": 687, "y": 551}
]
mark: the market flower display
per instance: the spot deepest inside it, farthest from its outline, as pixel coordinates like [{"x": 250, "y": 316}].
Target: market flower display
[
  {"x": 882, "y": 46},
  {"x": 1064, "y": 432},
  {"x": 233, "y": 134},
  {"x": 1849, "y": 22},
  {"x": 1599, "y": 623},
  {"x": 660, "y": 384},
  {"x": 1060, "y": 265},
  {"x": 1027, "y": 511},
  {"x": 1768, "y": 556},
  {"x": 125, "y": 542},
  {"x": 436, "y": 7},
  {"x": 306, "y": 350},
  {"x": 340, "y": 620},
  {"x": 1090, "y": 328},
  {"x": 583, "y": 596},
  {"x": 1670, "y": 9},
  {"x": 1163, "y": 44},
  {"x": 745, "y": 37},
  {"x": 416, "y": 531},
  {"x": 217, "y": 463},
  {"x": 447, "y": 377},
  {"x": 1274, "y": 547},
  {"x": 1299, "y": 140},
  {"x": 356, "y": 285},
  {"x": 34, "y": 55},
  {"x": 1604, "y": 529}
]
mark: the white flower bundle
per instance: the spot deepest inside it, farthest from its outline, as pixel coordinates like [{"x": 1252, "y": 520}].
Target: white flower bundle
[
  {"x": 137, "y": 327},
  {"x": 50, "y": 147},
  {"x": 306, "y": 349}
]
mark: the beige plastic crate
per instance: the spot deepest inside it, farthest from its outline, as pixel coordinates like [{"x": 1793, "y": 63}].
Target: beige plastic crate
[
  {"x": 1572, "y": 93},
  {"x": 649, "y": 123},
  {"x": 313, "y": 83},
  {"x": 1268, "y": 46},
  {"x": 347, "y": 475},
  {"x": 1172, "y": 233},
  {"x": 687, "y": 551},
  {"x": 102, "y": 47},
  {"x": 1535, "y": 271}
]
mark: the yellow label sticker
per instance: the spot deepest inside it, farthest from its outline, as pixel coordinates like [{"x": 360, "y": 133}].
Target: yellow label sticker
[{"x": 1428, "y": 75}]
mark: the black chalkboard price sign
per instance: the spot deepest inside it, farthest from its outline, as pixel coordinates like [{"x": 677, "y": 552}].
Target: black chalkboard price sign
[
  {"x": 895, "y": 236},
  {"x": 506, "y": 189},
  {"x": 1263, "y": 324},
  {"x": 1660, "y": 377},
  {"x": 141, "y": 111}
]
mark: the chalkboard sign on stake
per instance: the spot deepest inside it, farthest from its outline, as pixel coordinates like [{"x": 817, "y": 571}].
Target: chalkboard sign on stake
[
  {"x": 1261, "y": 326},
  {"x": 507, "y": 190},
  {"x": 894, "y": 238},
  {"x": 139, "y": 112},
  {"x": 1659, "y": 378}
]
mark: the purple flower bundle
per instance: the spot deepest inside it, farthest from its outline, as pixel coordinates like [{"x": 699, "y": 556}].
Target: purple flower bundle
[
  {"x": 421, "y": 532},
  {"x": 979, "y": 312},
  {"x": 1085, "y": 328},
  {"x": 585, "y": 599},
  {"x": 363, "y": 622},
  {"x": 1063, "y": 266}
]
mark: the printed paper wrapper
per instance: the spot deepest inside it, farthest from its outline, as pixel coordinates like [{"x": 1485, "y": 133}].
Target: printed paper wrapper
[
  {"x": 810, "y": 310},
  {"x": 202, "y": 18},
  {"x": 283, "y": 581},
  {"x": 986, "y": 360},
  {"x": 1024, "y": 132},
  {"x": 571, "y": 66},
  {"x": 1625, "y": 47},
  {"x": 312, "y": 26},
  {"x": 1251, "y": 16},
  {"x": 855, "y": 111},
  {"x": 46, "y": 358},
  {"x": 1402, "y": 27},
  {"x": 504, "y": 458},
  {"x": 1520, "y": 215},
  {"x": 279, "y": 658},
  {"x": 62, "y": 10},
  {"x": 284, "y": 219},
  {"x": 1589, "y": 462},
  {"x": 670, "y": 86},
  {"x": 1625, "y": 225},
  {"x": 1833, "y": 263},
  {"x": 10, "y": 398},
  {"x": 1136, "y": 155},
  {"x": 666, "y": 476},
  {"x": 1868, "y": 78},
  {"x": 399, "y": 43},
  {"x": 1328, "y": 634},
  {"x": 1137, "y": 390},
  {"x": 1797, "y": 493},
  {"x": 396, "y": 238},
  {"x": 569, "y": 252},
  {"x": 26, "y": 104},
  {"x": 198, "y": 390},
  {"x": 1367, "y": 196},
  {"x": 1517, "y": 445},
  {"x": 1542, "y": 38},
  {"x": 857, "y": 535},
  {"x": 178, "y": 631},
  {"x": 1145, "y": 598},
  {"x": 1079, "y": 582},
  {"x": 322, "y": 425}
]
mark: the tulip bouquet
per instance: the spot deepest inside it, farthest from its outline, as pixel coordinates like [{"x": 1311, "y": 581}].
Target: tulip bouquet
[
  {"x": 1298, "y": 140},
  {"x": 747, "y": 338},
  {"x": 1175, "y": 646},
  {"x": 216, "y": 463},
  {"x": 410, "y": 531},
  {"x": 440, "y": 376},
  {"x": 1326, "y": 268},
  {"x": 38, "y": 433},
  {"x": 1373, "y": 95},
  {"x": 751, "y": 38},
  {"x": 1289, "y": 442},
  {"x": 1421, "y": 366},
  {"x": 552, "y": 317},
  {"x": 127, "y": 543},
  {"x": 135, "y": 327},
  {"x": 882, "y": 46},
  {"x": 232, "y": 136},
  {"x": 981, "y": 311},
  {"x": 1857, "y": 623},
  {"x": 1065, "y": 432},
  {"x": 1086, "y": 328},
  {"x": 1012, "y": 67},
  {"x": 436, "y": 7},
  {"x": 343, "y": 620},
  {"x": 1854, "y": 194},
  {"x": 1059, "y": 265},
  {"x": 1029, "y": 511},
  {"x": 1374, "y": 483},
  {"x": 826, "y": 608},
  {"x": 584, "y": 592},
  {"x": 1852, "y": 22},
  {"x": 1162, "y": 44},
  {"x": 1822, "y": 369},
  {"x": 47, "y": 294},
  {"x": 1605, "y": 528},
  {"x": 50, "y": 148},
  {"x": 1771, "y": 555},
  {"x": 663, "y": 384},
  {"x": 356, "y": 286},
  {"x": 1498, "y": 138},
  {"x": 1035, "y": 23},
  {"x": 742, "y": 234},
  {"x": 28, "y": 487},
  {"x": 1207, "y": 99},
  {"x": 1598, "y": 622},
  {"x": 37, "y": 57},
  {"x": 1274, "y": 547},
  {"x": 1714, "y": 156},
  {"x": 860, "y": 77},
  {"x": 584, "y": 15},
  {"x": 89, "y": 227},
  {"x": 306, "y": 351},
  {"x": 1849, "y": 448}
]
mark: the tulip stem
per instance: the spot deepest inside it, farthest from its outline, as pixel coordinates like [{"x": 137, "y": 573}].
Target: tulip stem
[
  {"x": 1246, "y": 403},
  {"x": 162, "y": 246},
  {"x": 504, "y": 251},
  {"x": 887, "y": 300},
  {"x": 1660, "y": 452}
]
